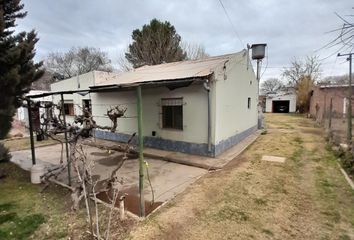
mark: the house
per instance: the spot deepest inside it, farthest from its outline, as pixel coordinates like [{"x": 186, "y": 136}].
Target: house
[
  {"x": 22, "y": 112},
  {"x": 201, "y": 107},
  {"x": 74, "y": 103},
  {"x": 283, "y": 101},
  {"x": 321, "y": 97}
]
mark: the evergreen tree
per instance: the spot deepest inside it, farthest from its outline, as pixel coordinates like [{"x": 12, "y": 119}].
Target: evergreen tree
[
  {"x": 157, "y": 42},
  {"x": 17, "y": 69}
]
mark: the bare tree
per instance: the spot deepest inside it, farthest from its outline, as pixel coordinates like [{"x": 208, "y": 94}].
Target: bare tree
[
  {"x": 302, "y": 75},
  {"x": 310, "y": 67},
  {"x": 77, "y": 61},
  {"x": 123, "y": 64},
  {"x": 272, "y": 85},
  {"x": 194, "y": 51}
]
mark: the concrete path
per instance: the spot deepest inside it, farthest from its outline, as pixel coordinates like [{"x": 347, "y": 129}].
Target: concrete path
[{"x": 202, "y": 161}]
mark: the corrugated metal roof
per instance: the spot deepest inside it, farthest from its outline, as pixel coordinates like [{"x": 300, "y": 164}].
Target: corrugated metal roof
[
  {"x": 335, "y": 86},
  {"x": 170, "y": 71}
]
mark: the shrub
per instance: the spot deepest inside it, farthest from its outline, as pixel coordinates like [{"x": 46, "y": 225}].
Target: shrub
[{"x": 4, "y": 154}]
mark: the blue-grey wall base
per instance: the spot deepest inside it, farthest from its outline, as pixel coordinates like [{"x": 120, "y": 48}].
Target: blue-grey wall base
[{"x": 180, "y": 146}]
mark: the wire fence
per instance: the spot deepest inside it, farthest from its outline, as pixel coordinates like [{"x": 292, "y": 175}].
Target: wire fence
[{"x": 336, "y": 125}]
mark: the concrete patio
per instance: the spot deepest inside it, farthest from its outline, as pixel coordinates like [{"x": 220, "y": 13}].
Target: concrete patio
[
  {"x": 170, "y": 173},
  {"x": 167, "y": 178}
]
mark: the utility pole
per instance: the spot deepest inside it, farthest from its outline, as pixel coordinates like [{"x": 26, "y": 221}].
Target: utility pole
[{"x": 349, "y": 112}]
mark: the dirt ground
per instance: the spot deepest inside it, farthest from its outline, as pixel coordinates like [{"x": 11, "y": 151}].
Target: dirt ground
[{"x": 304, "y": 198}]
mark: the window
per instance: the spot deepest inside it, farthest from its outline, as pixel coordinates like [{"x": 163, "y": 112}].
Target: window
[
  {"x": 249, "y": 103},
  {"x": 69, "y": 109},
  {"x": 172, "y": 113}
]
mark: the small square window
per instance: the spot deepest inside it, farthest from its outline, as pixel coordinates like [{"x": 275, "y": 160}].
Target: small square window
[
  {"x": 249, "y": 103},
  {"x": 69, "y": 109},
  {"x": 172, "y": 113}
]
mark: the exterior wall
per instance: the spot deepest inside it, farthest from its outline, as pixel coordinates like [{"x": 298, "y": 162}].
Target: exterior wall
[
  {"x": 290, "y": 97},
  {"x": 192, "y": 139},
  {"x": 320, "y": 102},
  {"x": 22, "y": 112},
  {"x": 233, "y": 120},
  {"x": 83, "y": 81}
]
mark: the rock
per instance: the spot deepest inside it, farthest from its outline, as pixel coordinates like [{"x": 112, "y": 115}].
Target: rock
[{"x": 344, "y": 146}]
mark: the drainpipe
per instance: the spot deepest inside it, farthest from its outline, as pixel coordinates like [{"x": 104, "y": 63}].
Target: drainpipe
[{"x": 207, "y": 88}]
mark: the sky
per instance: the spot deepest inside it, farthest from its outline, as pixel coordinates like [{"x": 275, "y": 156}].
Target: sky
[{"x": 291, "y": 29}]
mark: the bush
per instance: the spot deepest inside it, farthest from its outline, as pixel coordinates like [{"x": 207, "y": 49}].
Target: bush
[
  {"x": 4, "y": 154},
  {"x": 347, "y": 162}
]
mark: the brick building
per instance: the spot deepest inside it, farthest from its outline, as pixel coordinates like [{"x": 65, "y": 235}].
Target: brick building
[{"x": 321, "y": 97}]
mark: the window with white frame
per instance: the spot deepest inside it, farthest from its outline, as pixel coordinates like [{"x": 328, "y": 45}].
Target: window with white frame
[{"x": 172, "y": 113}]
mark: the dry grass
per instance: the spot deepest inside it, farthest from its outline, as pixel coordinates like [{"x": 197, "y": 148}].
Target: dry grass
[
  {"x": 26, "y": 213},
  {"x": 24, "y": 143},
  {"x": 304, "y": 198}
]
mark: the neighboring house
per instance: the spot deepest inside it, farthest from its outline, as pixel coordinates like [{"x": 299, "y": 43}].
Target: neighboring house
[
  {"x": 74, "y": 103},
  {"x": 22, "y": 112},
  {"x": 281, "y": 102},
  {"x": 200, "y": 107},
  {"x": 321, "y": 97}
]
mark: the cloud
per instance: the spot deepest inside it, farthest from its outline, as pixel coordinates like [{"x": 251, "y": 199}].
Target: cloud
[{"x": 290, "y": 28}]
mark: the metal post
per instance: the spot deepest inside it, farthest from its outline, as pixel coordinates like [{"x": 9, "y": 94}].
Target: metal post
[
  {"x": 66, "y": 140},
  {"x": 33, "y": 152},
  {"x": 258, "y": 77},
  {"x": 330, "y": 114},
  {"x": 349, "y": 134},
  {"x": 349, "y": 112},
  {"x": 259, "y": 123},
  {"x": 141, "y": 149}
]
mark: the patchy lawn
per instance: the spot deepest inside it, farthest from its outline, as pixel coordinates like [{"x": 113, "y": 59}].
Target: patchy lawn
[
  {"x": 304, "y": 198},
  {"x": 24, "y": 143},
  {"x": 25, "y": 213}
]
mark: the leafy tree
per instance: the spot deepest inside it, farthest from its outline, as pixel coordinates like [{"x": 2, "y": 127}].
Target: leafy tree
[
  {"x": 302, "y": 75},
  {"x": 78, "y": 61},
  {"x": 17, "y": 69},
  {"x": 272, "y": 85},
  {"x": 156, "y": 43}
]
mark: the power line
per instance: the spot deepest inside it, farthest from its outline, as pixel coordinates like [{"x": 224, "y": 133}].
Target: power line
[{"x": 232, "y": 24}]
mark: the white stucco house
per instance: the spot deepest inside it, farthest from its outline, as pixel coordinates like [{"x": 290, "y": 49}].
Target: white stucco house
[
  {"x": 281, "y": 102},
  {"x": 22, "y": 112},
  {"x": 199, "y": 107},
  {"x": 73, "y": 103}
]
